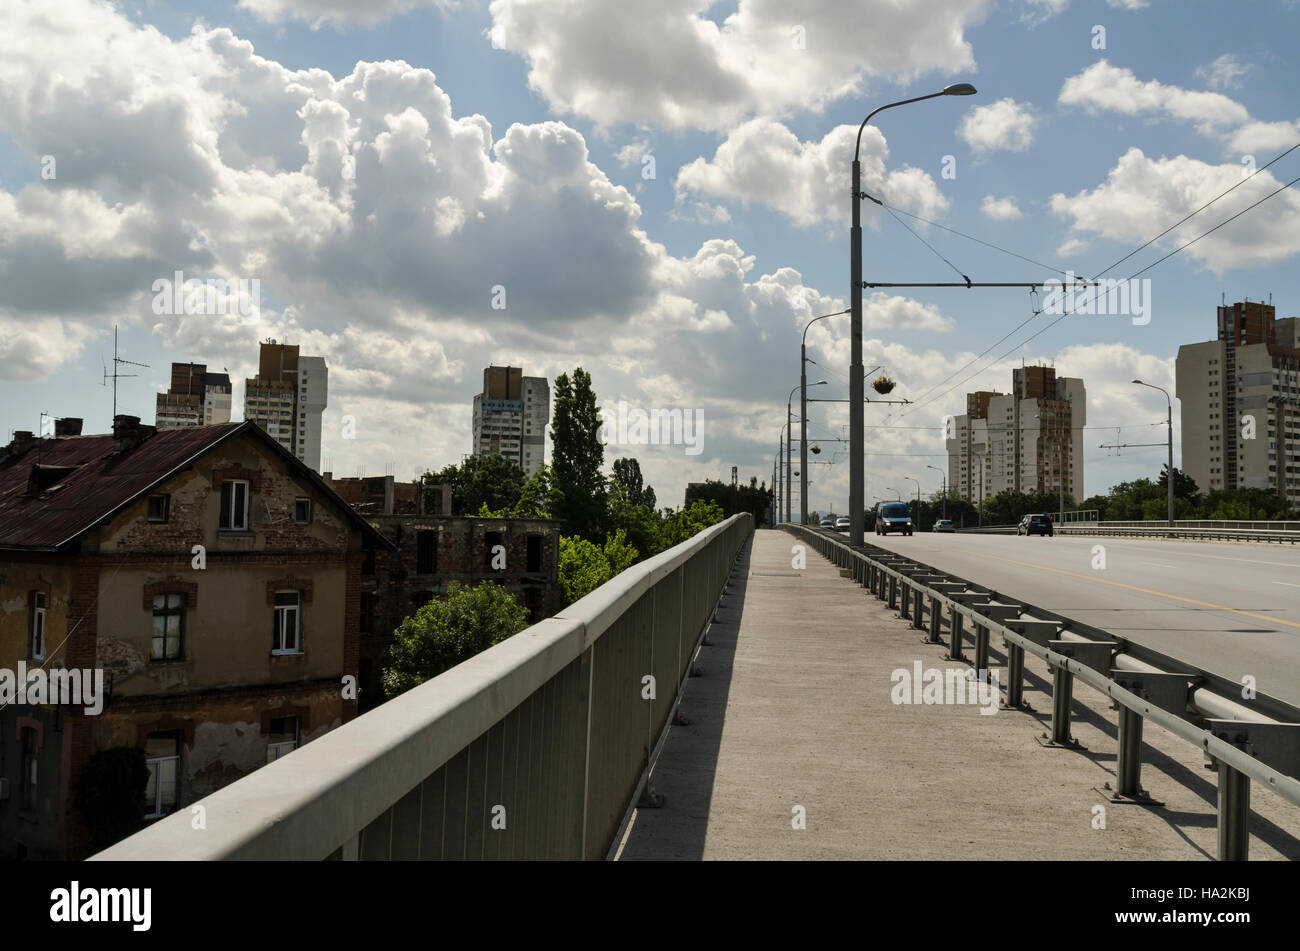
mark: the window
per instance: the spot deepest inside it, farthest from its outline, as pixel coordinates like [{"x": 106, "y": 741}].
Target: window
[
  {"x": 302, "y": 511},
  {"x": 162, "y": 754},
  {"x": 534, "y": 554},
  {"x": 36, "y": 626},
  {"x": 490, "y": 541},
  {"x": 168, "y": 626},
  {"x": 287, "y": 623},
  {"x": 234, "y": 506},
  {"x": 30, "y": 757},
  {"x": 283, "y": 739},
  {"x": 367, "y": 623},
  {"x": 158, "y": 507},
  {"x": 426, "y": 552}
]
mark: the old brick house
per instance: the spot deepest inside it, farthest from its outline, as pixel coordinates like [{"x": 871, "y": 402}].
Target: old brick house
[
  {"x": 212, "y": 576},
  {"x": 430, "y": 552}
]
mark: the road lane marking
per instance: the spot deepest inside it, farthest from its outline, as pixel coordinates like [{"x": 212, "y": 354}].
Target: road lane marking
[
  {"x": 1158, "y": 565},
  {"x": 1287, "y": 583},
  {"x": 1133, "y": 587}
]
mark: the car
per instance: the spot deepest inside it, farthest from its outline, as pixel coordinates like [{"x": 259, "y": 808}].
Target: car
[
  {"x": 893, "y": 517},
  {"x": 1040, "y": 524},
  {"x": 943, "y": 525},
  {"x": 842, "y": 524},
  {"x": 828, "y": 523}
]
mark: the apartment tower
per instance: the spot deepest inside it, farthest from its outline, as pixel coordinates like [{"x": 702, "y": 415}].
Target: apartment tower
[
  {"x": 511, "y": 416},
  {"x": 287, "y": 398}
]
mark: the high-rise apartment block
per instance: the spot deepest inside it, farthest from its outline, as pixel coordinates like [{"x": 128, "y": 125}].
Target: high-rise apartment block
[
  {"x": 511, "y": 416},
  {"x": 1240, "y": 398},
  {"x": 1030, "y": 439},
  {"x": 194, "y": 398},
  {"x": 287, "y": 398}
]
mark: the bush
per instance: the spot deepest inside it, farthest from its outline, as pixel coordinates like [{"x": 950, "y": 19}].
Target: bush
[
  {"x": 110, "y": 794},
  {"x": 451, "y": 630}
]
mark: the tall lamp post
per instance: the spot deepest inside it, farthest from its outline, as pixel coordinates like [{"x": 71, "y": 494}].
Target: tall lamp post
[
  {"x": 917, "y": 519},
  {"x": 898, "y": 496},
  {"x": 945, "y": 488},
  {"x": 1169, "y": 471},
  {"x": 857, "y": 439},
  {"x": 803, "y": 450},
  {"x": 803, "y": 417}
]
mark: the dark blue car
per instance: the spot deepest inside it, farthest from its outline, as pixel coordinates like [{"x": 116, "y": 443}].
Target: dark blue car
[{"x": 893, "y": 517}]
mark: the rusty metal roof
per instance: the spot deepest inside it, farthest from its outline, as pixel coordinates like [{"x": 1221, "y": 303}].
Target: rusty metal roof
[{"x": 103, "y": 481}]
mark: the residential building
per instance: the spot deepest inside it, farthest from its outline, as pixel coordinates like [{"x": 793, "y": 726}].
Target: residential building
[
  {"x": 287, "y": 398},
  {"x": 195, "y": 397},
  {"x": 212, "y": 578},
  {"x": 511, "y": 416},
  {"x": 1028, "y": 440},
  {"x": 431, "y": 551},
  {"x": 1240, "y": 403}
]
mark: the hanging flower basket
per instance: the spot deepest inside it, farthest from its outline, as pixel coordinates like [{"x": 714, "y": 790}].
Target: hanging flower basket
[{"x": 882, "y": 385}]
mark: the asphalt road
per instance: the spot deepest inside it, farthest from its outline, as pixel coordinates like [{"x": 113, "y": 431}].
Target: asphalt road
[{"x": 1232, "y": 609}]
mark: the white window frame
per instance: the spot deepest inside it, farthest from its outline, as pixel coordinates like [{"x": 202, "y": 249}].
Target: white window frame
[
  {"x": 156, "y": 765},
  {"x": 275, "y": 750},
  {"x": 36, "y": 628},
  {"x": 234, "y": 495},
  {"x": 282, "y": 613}
]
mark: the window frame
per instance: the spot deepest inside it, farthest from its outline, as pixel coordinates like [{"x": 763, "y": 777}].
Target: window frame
[
  {"x": 168, "y": 610},
  {"x": 277, "y": 626},
  {"x": 153, "y": 763},
  {"x": 426, "y": 565},
  {"x": 38, "y": 606},
  {"x": 166, "y": 508},
  {"x": 278, "y": 746},
  {"x": 303, "y": 500},
  {"x": 225, "y": 519}
]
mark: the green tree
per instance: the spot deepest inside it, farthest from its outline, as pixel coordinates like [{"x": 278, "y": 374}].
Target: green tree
[
  {"x": 584, "y": 566},
  {"x": 732, "y": 500},
  {"x": 627, "y": 481},
  {"x": 110, "y": 794},
  {"x": 690, "y": 521},
  {"x": 493, "y": 481},
  {"x": 450, "y": 630},
  {"x": 535, "y": 498},
  {"x": 577, "y": 457}
]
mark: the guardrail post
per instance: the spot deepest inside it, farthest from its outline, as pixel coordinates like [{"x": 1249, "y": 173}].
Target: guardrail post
[
  {"x": 954, "y": 647},
  {"x": 1015, "y": 675},
  {"x": 1129, "y": 768},
  {"x": 1062, "y": 689},
  {"x": 918, "y": 608},
  {"x": 934, "y": 622},
  {"x": 981, "y": 648},
  {"x": 905, "y": 600},
  {"x": 1234, "y": 814},
  {"x": 893, "y": 592}
]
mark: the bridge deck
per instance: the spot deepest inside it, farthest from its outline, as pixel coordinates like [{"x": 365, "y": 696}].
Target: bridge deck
[{"x": 794, "y": 710}]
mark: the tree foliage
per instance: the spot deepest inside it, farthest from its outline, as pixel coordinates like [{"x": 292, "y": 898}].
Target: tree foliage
[
  {"x": 110, "y": 794},
  {"x": 450, "y": 630},
  {"x": 753, "y": 498},
  {"x": 493, "y": 481},
  {"x": 578, "y": 493}
]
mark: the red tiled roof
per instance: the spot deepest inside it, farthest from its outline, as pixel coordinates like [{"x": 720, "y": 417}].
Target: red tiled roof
[{"x": 105, "y": 481}]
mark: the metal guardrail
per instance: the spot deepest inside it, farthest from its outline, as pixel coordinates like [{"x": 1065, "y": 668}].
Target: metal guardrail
[
  {"x": 537, "y": 748},
  {"x": 1256, "y": 739},
  {"x": 1257, "y": 531}
]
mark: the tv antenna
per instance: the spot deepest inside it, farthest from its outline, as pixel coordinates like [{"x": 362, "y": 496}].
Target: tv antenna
[{"x": 115, "y": 375}]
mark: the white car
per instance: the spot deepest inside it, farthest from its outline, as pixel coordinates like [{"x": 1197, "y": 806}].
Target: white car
[
  {"x": 828, "y": 523},
  {"x": 842, "y": 523},
  {"x": 943, "y": 525}
]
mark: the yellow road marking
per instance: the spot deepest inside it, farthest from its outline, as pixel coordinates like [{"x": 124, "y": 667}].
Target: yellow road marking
[{"x": 1130, "y": 587}]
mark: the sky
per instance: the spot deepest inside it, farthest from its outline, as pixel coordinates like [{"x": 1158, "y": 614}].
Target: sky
[{"x": 657, "y": 193}]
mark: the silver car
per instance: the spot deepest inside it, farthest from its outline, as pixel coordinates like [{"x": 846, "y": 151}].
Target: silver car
[
  {"x": 842, "y": 524},
  {"x": 943, "y": 525}
]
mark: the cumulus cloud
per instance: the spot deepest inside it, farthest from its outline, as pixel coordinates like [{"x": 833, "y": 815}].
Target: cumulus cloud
[
  {"x": 1106, "y": 88},
  {"x": 1141, "y": 192},
  {"x": 1000, "y": 209},
  {"x": 676, "y": 68},
  {"x": 1226, "y": 72},
  {"x": 338, "y": 12},
  {"x": 761, "y": 161},
  {"x": 1003, "y": 125}
]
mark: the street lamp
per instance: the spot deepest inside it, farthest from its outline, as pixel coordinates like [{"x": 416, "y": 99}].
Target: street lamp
[
  {"x": 857, "y": 440},
  {"x": 803, "y": 450},
  {"x": 803, "y": 410},
  {"x": 945, "y": 487},
  {"x": 898, "y": 496},
  {"x": 1169, "y": 471},
  {"x": 918, "y": 497}
]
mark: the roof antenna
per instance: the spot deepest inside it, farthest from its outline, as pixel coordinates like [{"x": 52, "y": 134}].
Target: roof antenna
[{"x": 115, "y": 375}]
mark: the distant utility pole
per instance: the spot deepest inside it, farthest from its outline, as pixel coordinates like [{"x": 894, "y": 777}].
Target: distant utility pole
[{"x": 115, "y": 376}]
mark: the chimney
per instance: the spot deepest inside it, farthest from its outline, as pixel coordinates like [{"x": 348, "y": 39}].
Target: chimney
[
  {"x": 68, "y": 426},
  {"x": 128, "y": 433},
  {"x": 22, "y": 441}
]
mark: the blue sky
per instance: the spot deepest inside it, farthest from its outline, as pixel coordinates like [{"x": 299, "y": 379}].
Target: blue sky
[{"x": 507, "y": 144}]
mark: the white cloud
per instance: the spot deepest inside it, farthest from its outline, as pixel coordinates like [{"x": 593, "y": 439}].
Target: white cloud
[
  {"x": 1226, "y": 72},
  {"x": 1141, "y": 194},
  {"x": 1103, "y": 87},
  {"x": 33, "y": 350},
  {"x": 763, "y": 162},
  {"x": 339, "y": 12},
  {"x": 1256, "y": 137},
  {"x": 1000, "y": 209},
  {"x": 673, "y": 67},
  {"x": 1005, "y": 124}
]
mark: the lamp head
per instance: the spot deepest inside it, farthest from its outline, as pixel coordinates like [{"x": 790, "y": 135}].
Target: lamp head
[
  {"x": 959, "y": 89},
  {"x": 1139, "y": 382}
]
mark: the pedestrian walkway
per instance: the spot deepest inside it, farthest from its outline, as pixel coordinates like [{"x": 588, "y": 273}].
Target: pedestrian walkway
[{"x": 795, "y": 749}]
